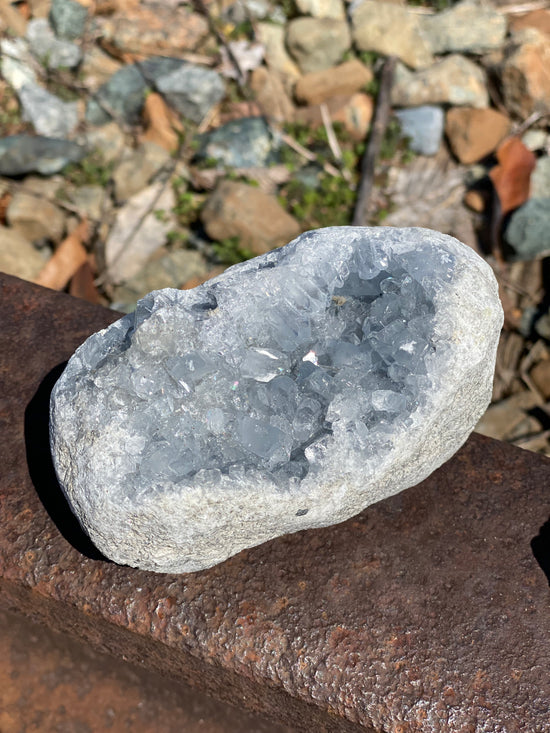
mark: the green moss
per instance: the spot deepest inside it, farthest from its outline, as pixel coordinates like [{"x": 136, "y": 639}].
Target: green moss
[
  {"x": 230, "y": 252},
  {"x": 188, "y": 203},
  {"x": 90, "y": 171}
]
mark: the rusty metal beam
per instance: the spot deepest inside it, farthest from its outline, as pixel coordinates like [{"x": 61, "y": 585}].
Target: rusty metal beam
[{"x": 427, "y": 612}]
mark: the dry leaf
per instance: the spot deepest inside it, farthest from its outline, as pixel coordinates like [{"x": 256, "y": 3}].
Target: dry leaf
[
  {"x": 66, "y": 260},
  {"x": 82, "y": 284},
  {"x": 161, "y": 123},
  {"x": 511, "y": 177}
]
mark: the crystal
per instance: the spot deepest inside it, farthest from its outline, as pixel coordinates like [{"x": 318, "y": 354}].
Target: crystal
[{"x": 290, "y": 392}]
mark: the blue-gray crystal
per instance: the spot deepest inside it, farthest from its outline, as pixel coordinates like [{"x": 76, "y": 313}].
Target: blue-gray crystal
[{"x": 290, "y": 392}]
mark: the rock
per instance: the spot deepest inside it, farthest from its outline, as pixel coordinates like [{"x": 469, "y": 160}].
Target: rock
[
  {"x": 542, "y": 326},
  {"x": 540, "y": 179},
  {"x": 238, "y": 210},
  {"x": 17, "y": 255},
  {"x": 535, "y": 140},
  {"x": 245, "y": 143},
  {"x": 171, "y": 270},
  {"x": 150, "y": 29},
  {"x": 509, "y": 418},
  {"x": 123, "y": 94},
  {"x": 474, "y": 133},
  {"x": 276, "y": 56},
  {"x": 470, "y": 26},
  {"x": 424, "y": 128},
  {"x": 68, "y": 18},
  {"x": 248, "y": 54},
  {"x": 525, "y": 73},
  {"x": 17, "y": 63},
  {"x": 137, "y": 168},
  {"x": 108, "y": 140},
  {"x": 453, "y": 80},
  {"x": 537, "y": 19},
  {"x": 540, "y": 375},
  {"x": 91, "y": 201},
  {"x": 218, "y": 418},
  {"x": 528, "y": 231},
  {"x": 322, "y": 8},
  {"x": 20, "y": 154},
  {"x": 344, "y": 79},
  {"x": 53, "y": 52},
  {"x": 190, "y": 89},
  {"x": 354, "y": 112},
  {"x": 97, "y": 67},
  {"x": 317, "y": 43},
  {"x": 140, "y": 229},
  {"x": 48, "y": 114},
  {"x": 243, "y": 10},
  {"x": 268, "y": 88},
  {"x": 391, "y": 30},
  {"x": 35, "y": 218}
]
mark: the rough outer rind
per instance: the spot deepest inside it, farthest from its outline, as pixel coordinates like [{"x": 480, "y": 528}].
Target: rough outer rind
[{"x": 187, "y": 531}]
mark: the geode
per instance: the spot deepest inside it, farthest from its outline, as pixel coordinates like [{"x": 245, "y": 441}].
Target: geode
[{"x": 290, "y": 392}]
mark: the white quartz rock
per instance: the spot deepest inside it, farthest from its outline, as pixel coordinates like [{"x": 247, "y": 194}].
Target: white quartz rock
[{"x": 290, "y": 392}]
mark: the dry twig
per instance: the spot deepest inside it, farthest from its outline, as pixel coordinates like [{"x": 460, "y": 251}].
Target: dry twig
[{"x": 377, "y": 133}]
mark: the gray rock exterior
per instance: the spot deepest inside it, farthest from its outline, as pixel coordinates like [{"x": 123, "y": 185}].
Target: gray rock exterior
[{"x": 114, "y": 460}]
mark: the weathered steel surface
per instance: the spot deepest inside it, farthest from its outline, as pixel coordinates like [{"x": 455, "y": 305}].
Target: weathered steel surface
[
  {"x": 50, "y": 682},
  {"x": 427, "y": 612}
]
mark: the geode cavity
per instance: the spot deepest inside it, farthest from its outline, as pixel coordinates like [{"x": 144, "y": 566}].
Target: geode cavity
[{"x": 290, "y": 392}]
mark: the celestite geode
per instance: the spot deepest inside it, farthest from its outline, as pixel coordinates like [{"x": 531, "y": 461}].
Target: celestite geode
[{"x": 290, "y": 392}]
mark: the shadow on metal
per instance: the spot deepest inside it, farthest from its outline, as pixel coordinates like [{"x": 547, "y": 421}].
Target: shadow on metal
[
  {"x": 541, "y": 549},
  {"x": 42, "y": 472}
]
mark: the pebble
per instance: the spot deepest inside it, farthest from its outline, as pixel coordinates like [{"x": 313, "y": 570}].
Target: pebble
[
  {"x": 236, "y": 209},
  {"x": 322, "y": 8},
  {"x": 35, "y": 218},
  {"x": 139, "y": 231},
  {"x": 97, "y": 67},
  {"x": 509, "y": 419},
  {"x": 148, "y": 29},
  {"x": 49, "y": 115},
  {"x": 68, "y": 18},
  {"x": 317, "y": 43},
  {"x": 171, "y": 270},
  {"x": 528, "y": 230},
  {"x": 470, "y": 26},
  {"x": 453, "y": 80},
  {"x": 53, "y": 52},
  {"x": 276, "y": 56},
  {"x": 344, "y": 79},
  {"x": 190, "y": 89},
  {"x": 137, "y": 168},
  {"x": 423, "y": 126},
  {"x": 20, "y": 154},
  {"x": 535, "y": 140},
  {"x": 540, "y": 179},
  {"x": 540, "y": 374},
  {"x": 354, "y": 112},
  {"x": 108, "y": 140},
  {"x": 392, "y": 30},
  {"x": 538, "y": 19},
  {"x": 91, "y": 201},
  {"x": 123, "y": 93},
  {"x": 270, "y": 94},
  {"x": 525, "y": 73},
  {"x": 245, "y": 143},
  {"x": 17, "y": 63},
  {"x": 17, "y": 255},
  {"x": 474, "y": 133}
]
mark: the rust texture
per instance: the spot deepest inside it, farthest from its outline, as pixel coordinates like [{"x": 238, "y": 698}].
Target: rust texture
[
  {"x": 49, "y": 682},
  {"x": 427, "y": 612}
]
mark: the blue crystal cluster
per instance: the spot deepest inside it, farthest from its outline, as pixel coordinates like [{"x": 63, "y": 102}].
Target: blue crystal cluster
[{"x": 263, "y": 379}]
